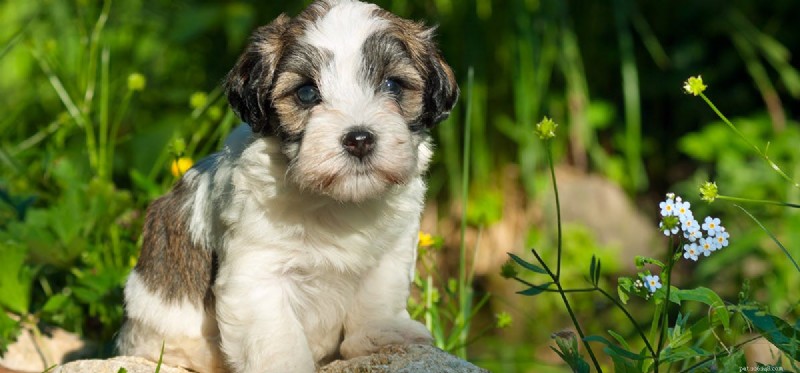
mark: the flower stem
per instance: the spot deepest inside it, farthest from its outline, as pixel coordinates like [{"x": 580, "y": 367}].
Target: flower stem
[
  {"x": 549, "y": 152},
  {"x": 761, "y": 201},
  {"x": 756, "y": 148},
  {"x": 665, "y": 311},
  {"x": 556, "y": 276},
  {"x": 633, "y": 321}
]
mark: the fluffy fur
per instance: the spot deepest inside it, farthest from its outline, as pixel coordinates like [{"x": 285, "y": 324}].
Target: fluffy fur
[{"x": 288, "y": 249}]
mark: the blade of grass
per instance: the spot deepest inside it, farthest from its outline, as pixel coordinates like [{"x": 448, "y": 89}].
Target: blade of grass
[
  {"x": 464, "y": 294},
  {"x": 772, "y": 236},
  {"x": 650, "y": 40},
  {"x": 631, "y": 96},
  {"x": 13, "y": 41},
  {"x": 105, "y": 164},
  {"x": 571, "y": 64},
  {"x": 39, "y": 136},
  {"x": 735, "y": 130},
  {"x": 91, "y": 66},
  {"x": 160, "y": 357},
  {"x": 761, "y": 79},
  {"x": 72, "y": 109}
]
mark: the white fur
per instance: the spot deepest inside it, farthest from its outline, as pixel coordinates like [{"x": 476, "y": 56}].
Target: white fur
[
  {"x": 299, "y": 267},
  {"x": 183, "y": 318},
  {"x": 348, "y": 102},
  {"x": 189, "y": 335}
]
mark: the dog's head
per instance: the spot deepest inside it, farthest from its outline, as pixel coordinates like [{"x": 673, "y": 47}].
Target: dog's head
[{"x": 350, "y": 90}]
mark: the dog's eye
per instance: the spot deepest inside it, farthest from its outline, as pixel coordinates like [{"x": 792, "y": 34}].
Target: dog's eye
[
  {"x": 392, "y": 87},
  {"x": 308, "y": 95}
]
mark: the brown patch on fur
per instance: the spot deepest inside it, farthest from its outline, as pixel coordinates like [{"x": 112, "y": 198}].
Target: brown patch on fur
[
  {"x": 440, "y": 89},
  {"x": 248, "y": 84},
  {"x": 301, "y": 64},
  {"x": 387, "y": 57},
  {"x": 170, "y": 264},
  {"x": 393, "y": 177}
]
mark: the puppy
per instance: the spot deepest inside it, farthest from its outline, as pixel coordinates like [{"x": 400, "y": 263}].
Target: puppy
[{"x": 296, "y": 244}]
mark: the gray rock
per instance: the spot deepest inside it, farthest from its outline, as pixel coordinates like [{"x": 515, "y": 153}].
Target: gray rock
[
  {"x": 390, "y": 359},
  {"x": 404, "y": 359},
  {"x": 131, "y": 364},
  {"x": 37, "y": 350}
]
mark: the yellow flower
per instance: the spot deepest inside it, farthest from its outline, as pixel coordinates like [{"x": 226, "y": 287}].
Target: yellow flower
[
  {"x": 136, "y": 82},
  {"x": 198, "y": 100},
  {"x": 503, "y": 320},
  {"x": 694, "y": 85},
  {"x": 425, "y": 240},
  {"x": 181, "y": 165},
  {"x": 546, "y": 129},
  {"x": 709, "y": 191}
]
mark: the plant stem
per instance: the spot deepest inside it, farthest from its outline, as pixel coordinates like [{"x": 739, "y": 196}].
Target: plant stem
[
  {"x": 665, "y": 311},
  {"x": 761, "y": 201},
  {"x": 571, "y": 313},
  {"x": 557, "y": 276},
  {"x": 104, "y": 163},
  {"x": 715, "y": 356},
  {"x": 633, "y": 321},
  {"x": 581, "y": 290},
  {"x": 774, "y": 239},
  {"x": 757, "y": 149},
  {"x": 549, "y": 152},
  {"x": 464, "y": 296}
]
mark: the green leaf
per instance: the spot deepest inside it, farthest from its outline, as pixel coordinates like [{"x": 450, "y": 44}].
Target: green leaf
[
  {"x": 9, "y": 330},
  {"x": 706, "y": 296},
  {"x": 594, "y": 270},
  {"x": 619, "y": 339},
  {"x": 15, "y": 278},
  {"x": 640, "y": 261},
  {"x": 55, "y": 303},
  {"x": 614, "y": 349},
  {"x": 624, "y": 285},
  {"x": 679, "y": 338},
  {"x": 780, "y": 333},
  {"x": 621, "y": 365},
  {"x": 535, "y": 290},
  {"x": 527, "y": 265},
  {"x": 568, "y": 350},
  {"x": 671, "y": 355}
]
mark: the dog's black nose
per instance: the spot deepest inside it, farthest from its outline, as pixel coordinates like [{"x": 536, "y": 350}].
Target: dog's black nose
[{"x": 359, "y": 142}]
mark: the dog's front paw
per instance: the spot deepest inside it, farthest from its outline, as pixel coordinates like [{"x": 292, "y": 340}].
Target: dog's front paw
[{"x": 374, "y": 335}]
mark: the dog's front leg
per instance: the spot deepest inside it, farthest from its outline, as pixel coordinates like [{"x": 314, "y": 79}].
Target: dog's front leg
[
  {"x": 258, "y": 326},
  {"x": 379, "y": 316}
]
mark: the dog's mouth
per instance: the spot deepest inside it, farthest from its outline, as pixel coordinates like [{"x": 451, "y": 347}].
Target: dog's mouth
[{"x": 352, "y": 185}]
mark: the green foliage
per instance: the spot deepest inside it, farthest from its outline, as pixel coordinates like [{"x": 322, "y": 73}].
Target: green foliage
[
  {"x": 567, "y": 349},
  {"x": 672, "y": 345},
  {"x": 440, "y": 308},
  {"x": 783, "y": 335},
  {"x": 15, "y": 277},
  {"x": 9, "y": 329}
]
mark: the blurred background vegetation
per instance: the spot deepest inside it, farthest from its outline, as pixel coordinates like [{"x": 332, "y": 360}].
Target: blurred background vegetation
[{"x": 93, "y": 94}]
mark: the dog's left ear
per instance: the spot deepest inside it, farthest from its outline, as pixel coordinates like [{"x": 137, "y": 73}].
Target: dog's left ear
[
  {"x": 249, "y": 84},
  {"x": 441, "y": 89}
]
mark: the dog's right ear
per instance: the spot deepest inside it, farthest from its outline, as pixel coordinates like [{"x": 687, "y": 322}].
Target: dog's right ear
[{"x": 249, "y": 83}]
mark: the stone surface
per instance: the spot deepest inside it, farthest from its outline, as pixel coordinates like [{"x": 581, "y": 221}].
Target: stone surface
[
  {"x": 35, "y": 353},
  {"x": 404, "y": 359},
  {"x": 113, "y": 365},
  {"x": 604, "y": 208},
  {"x": 390, "y": 359}
]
